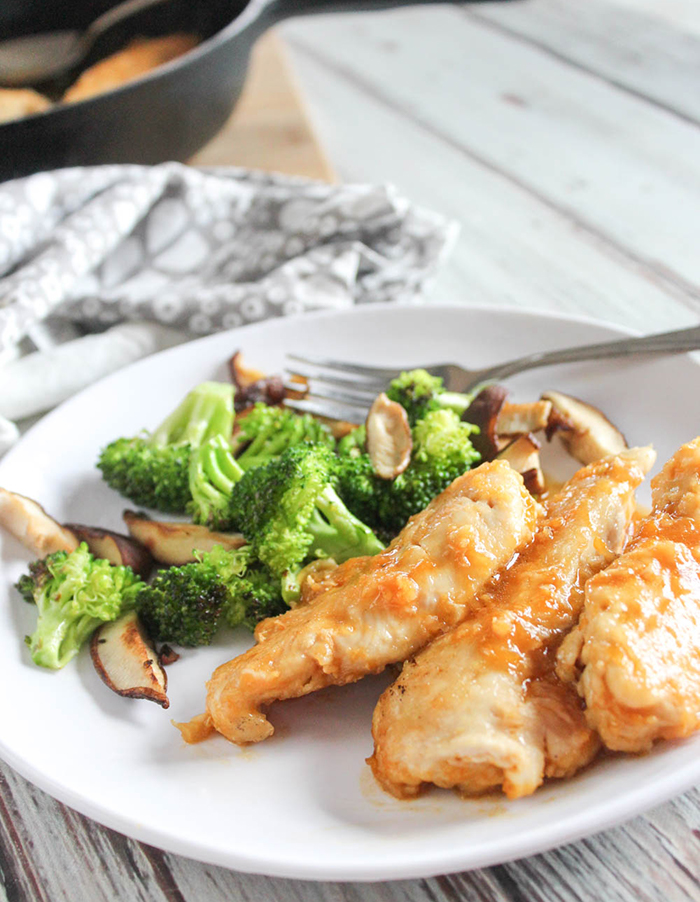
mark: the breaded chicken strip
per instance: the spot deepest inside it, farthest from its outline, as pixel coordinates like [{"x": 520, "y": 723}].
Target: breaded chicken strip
[
  {"x": 635, "y": 655},
  {"x": 382, "y": 608},
  {"x": 481, "y": 707}
]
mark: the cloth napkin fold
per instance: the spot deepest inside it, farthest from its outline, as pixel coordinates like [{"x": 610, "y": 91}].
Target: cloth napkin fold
[{"x": 102, "y": 265}]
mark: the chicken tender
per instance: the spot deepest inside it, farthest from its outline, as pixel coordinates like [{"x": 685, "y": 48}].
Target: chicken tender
[
  {"x": 381, "y": 608},
  {"x": 481, "y": 707},
  {"x": 635, "y": 655}
]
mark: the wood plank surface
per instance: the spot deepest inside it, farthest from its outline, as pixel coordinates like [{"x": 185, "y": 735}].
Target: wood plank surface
[
  {"x": 535, "y": 256},
  {"x": 610, "y": 161},
  {"x": 652, "y": 59}
]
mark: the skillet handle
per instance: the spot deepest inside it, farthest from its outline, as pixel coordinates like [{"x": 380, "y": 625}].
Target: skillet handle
[{"x": 283, "y": 9}]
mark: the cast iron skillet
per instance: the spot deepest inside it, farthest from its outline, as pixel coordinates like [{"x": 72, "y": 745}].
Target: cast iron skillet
[{"x": 169, "y": 113}]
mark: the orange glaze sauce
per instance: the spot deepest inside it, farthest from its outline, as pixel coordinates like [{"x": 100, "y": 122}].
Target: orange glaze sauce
[{"x": 526, "y": 612}]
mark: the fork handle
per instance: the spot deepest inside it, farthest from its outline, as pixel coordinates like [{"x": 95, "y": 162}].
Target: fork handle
[{"x": 678, "y": 340}]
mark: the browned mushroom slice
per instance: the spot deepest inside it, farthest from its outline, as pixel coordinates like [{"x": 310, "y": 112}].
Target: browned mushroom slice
[
  {"x": 243, "y": 376},
  {"x": 518, "y": 419},
  {"x": 32, "y": 526},
  {"x": 114, "y": 547},
  {"x": 585, "y": 431},
  {"x": 523, "y": 454},
  {"x": 174, "y": 543},
  {"x": 127, "y": 662},
  {"x": 253, "y": 385},
  {"x": 483, "y": 412},
  {"x": 389, "y": 441}
]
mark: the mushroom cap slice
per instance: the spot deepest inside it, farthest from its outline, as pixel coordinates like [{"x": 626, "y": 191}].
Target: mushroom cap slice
[
  {"x": 523, "y": 454},
  {"x": 518, "y": 419},
  {"x": 126, "y": 660},
  {"x": 484, "y": 412},
  {"x": 587, "y": 434},
  {"x": 174, "y": 543},
  {"x": 114, "y": 547},
  {"x": 389, "y": 441},
  {"x": 28, "y": 522}
]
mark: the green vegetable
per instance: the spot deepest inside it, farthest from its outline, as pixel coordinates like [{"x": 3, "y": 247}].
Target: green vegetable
[
  {"x": 353, "y": 444},
  {"x": 289, "y": 512},
  {"x": 420, "y": 393},
  {"x": 442, "y": 451},
  {"x": 266, "y": 432},
  {"x": 74, "y": 593},
  {"x": 213, "y": 472},
  {"x": 153, "y": 469},
  {"x": 188, "y": 605},
  {"x": 255, "y": 592},
  {"x": 185, "y": 605}
]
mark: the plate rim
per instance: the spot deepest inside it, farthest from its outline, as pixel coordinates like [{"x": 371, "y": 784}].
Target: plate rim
[{"x": 586, "y": 822}]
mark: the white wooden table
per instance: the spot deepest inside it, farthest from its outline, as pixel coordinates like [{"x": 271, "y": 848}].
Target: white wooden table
[{"x": 564, "y": 137}]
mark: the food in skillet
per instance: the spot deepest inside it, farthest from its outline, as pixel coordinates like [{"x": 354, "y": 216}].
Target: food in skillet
[
  {"x": 382, "y": 608},
  {"x": 136, "y": 59},
  {"x": 479, "y": 708},
  {"x": 635, "y": 655},
  {"x": 139, "y": 57},
  {"x": 15, "y": 103}
]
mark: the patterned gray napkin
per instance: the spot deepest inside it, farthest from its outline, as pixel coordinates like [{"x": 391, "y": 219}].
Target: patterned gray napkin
[{"x": 176, "y": 252}]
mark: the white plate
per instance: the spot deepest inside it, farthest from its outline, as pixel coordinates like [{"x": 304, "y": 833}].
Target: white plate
[{"x": 304, "y": 803}]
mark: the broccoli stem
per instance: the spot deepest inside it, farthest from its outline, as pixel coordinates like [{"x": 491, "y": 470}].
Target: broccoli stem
[
  {"x": 338, "y": 533},
  {"x": 205, "y": 412},
  {"x": 453, "y": 400},
  {"x": 60, "y": 637},
  {"x": 268, "y": 443}
]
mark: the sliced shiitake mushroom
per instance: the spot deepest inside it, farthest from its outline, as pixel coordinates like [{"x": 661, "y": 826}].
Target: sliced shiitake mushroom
[
  {"x": 114, "y": 547},
  {"x": 243, "y": 376},
  {"x": 28, "y": 522},
  {"x": 523, "y": 454},
  {"x": 127, "y": 662},
  {"x": 389, "y": 441},
  {"x": 518, "y": 419},
  {"x": 484, "y": 412},
  {"x": 587, "y": 434},
  {"x": 253, "y": 385},
  {"x": 174, "y": 543}
]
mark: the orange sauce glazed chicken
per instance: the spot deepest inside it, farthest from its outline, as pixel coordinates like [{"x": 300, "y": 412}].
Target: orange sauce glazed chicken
[
  {"x": 635, "y": 655},
  {"x": 482, "y": 707},
  {"x": 378, "y": 610}
]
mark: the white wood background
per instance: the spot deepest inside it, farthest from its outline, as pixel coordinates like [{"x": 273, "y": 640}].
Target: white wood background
[{"x": 564, "y": 137}]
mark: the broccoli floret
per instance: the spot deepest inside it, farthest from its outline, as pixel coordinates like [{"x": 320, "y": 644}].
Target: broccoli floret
[
  {"x": 185, "y": 605},
  {"x": 289, "y": 511},
  {"x": 353, "y": 444},
  {"x": 267, "y": 431},
  {"x": 213, "y": 472},
  {"x": 188, "y": 605},
  {"x": 264, "y": 433},
  {"x": 442, "y": 451},
  {"x": 74, "y": 593},
  {"x": 153, "y": 469},
  {"x": 419, "y": 393},
  {"x": 255, "y": 593}
]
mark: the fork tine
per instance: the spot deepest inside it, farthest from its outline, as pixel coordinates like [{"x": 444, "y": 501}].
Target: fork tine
[
  {"x": 385, "y": 374},
  {"x": 331, "y": 409},
  {"x": 360, "y": 383},
  {"x": 344, "y": 396}
]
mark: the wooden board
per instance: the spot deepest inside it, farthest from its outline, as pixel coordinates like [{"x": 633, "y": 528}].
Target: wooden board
[{"x": 270, "y": 128}]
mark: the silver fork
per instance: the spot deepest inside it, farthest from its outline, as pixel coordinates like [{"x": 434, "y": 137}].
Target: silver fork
[{"x": 345, "y": 391}]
